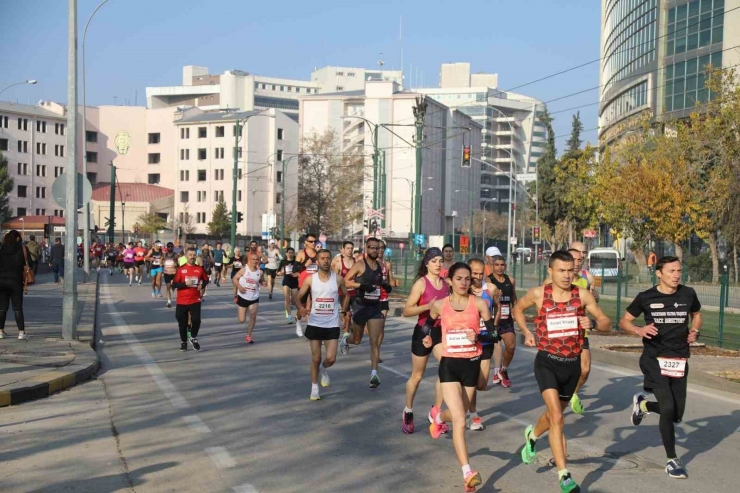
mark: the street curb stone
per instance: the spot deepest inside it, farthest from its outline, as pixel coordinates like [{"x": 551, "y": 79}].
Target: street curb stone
[{"x": 81, "y": 369}]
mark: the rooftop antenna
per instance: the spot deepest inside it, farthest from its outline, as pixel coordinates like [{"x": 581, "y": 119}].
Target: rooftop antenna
[{"x": 381, "y": 62}]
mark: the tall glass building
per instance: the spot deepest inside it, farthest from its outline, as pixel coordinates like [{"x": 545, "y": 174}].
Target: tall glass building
[{"x": 654, "y": 56}]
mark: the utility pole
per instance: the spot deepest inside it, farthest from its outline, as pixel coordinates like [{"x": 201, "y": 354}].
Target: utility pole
[
  {"x": 419, "y": 113},
  {"x": 69, "y": 304},
  {"x": 237, "y": 132},
  {"x": 112, "y": 218},
  {"x": 282, "y": 207},
  {"x": 376, "y": 172}
]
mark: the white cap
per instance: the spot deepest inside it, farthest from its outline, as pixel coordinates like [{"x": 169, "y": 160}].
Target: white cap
[
  {"x": 492, "y": 252},
  {"x": 272, "y": 242}
]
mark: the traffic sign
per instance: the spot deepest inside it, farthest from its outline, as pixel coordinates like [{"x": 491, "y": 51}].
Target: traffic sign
[
  {"x": 464, "y": 249},
  {"x": 388, "y": 252},
  {"x": 59, "y": 229},
  {"x": 419, "y": 240},
  {"x": 401, "y": 246},
  {"x": 513, "y": 240},
  {"x": 590, "y": 233},
  {"x": 59, "y": 190}
]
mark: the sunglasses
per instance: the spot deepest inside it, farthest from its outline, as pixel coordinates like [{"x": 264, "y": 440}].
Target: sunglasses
[{"x": 310, "y": 241}]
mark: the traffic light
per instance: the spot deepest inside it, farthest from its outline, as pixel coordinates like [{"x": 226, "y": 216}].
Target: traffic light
[
  {"x": 366, "y": 223},
  {"x": 239, "y": 217},
  {"x": 47, "y": 230},
  {"x": 466, "y": 157},
  {"x": 536, "y": 235}
]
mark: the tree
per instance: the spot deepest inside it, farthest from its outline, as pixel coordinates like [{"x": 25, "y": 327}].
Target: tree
[
  {"x": 576, "y": 179},
  {"x": 150, "y": 223},
  {"x": 6, "y": 187},
  {"x": 491, "y": 225},
  {"x": 546, "y": 186},
  {"x": 220, "y": 223},
  {"x": 187, "y": 225},
  {"x": 573, "y": 144},
  {"x": 330, "y": 184}
]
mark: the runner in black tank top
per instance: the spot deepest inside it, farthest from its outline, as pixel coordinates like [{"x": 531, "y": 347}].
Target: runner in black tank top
[{"x": 507, "y": 287}]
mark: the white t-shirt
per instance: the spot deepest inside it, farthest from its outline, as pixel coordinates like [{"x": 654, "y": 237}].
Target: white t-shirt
[
  {"x": 272, "y": 259},
  {"x": 324, "y": 302},
  {"x": 251, "y": 282}
]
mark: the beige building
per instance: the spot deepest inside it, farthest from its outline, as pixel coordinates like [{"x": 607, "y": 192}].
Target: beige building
[{"x": 133, "y": 200}]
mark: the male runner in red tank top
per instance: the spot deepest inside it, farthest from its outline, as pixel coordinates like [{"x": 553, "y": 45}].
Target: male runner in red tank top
[
  {"x": 560, "y": 325},
  {"x": 341, "y": 264}
]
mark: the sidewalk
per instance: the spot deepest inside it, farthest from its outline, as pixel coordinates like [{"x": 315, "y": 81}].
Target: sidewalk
[{"x": 44, "y": 363}]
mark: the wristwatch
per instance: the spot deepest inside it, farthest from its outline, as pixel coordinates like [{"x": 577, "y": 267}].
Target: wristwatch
[{"x": 698, "y": 333}]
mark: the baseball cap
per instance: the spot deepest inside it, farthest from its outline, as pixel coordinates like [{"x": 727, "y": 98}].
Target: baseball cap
[{"x": 492, "y": 252}]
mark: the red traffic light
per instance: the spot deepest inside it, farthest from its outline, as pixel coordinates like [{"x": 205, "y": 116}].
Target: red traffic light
[{"x": 466, "y": 152}]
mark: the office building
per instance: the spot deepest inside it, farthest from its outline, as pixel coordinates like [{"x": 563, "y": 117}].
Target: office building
[{"x": 338, "y": 79}]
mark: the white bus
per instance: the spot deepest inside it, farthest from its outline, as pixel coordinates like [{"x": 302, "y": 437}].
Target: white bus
[{"x": 604, "y": 262}]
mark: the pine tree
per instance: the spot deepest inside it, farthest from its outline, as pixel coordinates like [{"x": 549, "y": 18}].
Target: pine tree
[
  {"x": 573, "y": 144},
  {"x": 6, "y": 187},
  {"x": 220, "y": 224},
  {"x": 547, "y": 186}
]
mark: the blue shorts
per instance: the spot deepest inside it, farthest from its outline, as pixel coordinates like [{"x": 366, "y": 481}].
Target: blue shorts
[{"x": 155, "y": 271}]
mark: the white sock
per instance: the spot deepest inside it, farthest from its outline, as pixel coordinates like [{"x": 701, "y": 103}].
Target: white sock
[
  {"x": 472, "y": 415},
  {"x": 373, "y": 373},
  {"x": 408, "y": 410},
  {"x": 466, "y": 470},
  {"x": 495, "y": 370},
  {"x": 314, "y": 388}
]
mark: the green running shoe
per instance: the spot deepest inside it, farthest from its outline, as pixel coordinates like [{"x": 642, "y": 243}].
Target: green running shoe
[
  {"x": 529, "y": 452},
  {"x": 576, "y": 405},
  {"x": 568, "y": 485}
]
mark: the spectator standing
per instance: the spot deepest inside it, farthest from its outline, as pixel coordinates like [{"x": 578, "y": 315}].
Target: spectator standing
[
  {"x": 12, "y": 261},
  {"x": 57, "y": 260},
  {"x": 34, "y": 254}
]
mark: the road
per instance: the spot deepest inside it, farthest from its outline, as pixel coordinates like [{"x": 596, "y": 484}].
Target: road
[{"x": 237, "y": 418}]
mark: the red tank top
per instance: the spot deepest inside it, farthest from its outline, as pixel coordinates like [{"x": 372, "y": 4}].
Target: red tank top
[
  {"x": 383, "y": 292},
  {"x": 455, "y": 342},
  {"x": 431, "y": 294},
  {"x": 345, "y": 270},
  {"x": 557, "y": 327}
]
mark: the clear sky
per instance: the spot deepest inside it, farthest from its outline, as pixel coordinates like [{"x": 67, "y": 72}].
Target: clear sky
[{"x": 132, "y": 44}]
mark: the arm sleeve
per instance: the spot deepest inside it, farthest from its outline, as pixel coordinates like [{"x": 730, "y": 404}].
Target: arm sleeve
[
  {"x": 428, "y": 326},
  {"x": 635, "y": 308},
  {"x": 695, "y": 304},
  {"x": 491, "y": 335}
]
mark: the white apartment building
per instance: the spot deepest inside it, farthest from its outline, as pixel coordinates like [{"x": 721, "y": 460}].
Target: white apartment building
[
  {"x": 205, "y": 161},
  {"x": 446, "y": 186},
  {"x": 338, "y": 79}
]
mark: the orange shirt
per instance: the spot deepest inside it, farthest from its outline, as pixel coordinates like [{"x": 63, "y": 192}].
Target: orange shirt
[{"x": 455, "y": 343}]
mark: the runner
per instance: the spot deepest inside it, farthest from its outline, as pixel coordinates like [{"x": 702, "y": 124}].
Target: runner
[
  {"x": 271, "y": 266},
  {"x": 327, "y": 292},
  {"x": 459, "y": 366},
  {"x": 237, "y": 263},
  {"x": 111, "y": 254},
  {"x": 341, "y": 264},
  {"x": 140, "y": 253},
  {"x": 247, "y": 281},
  {"x": 491, "y": 295},
  {"x": 507, "y": 288},
  {"x": 155, "y": 256},
  {"x": 427, "y": 288},
  {"x": 560, "y": 323},
  {"x": 97, "y": 250},
  {"x": 187, "y": 281},
  {"x": 307, "y": 260},
  {"x": 664, "y": 362},
  {"x": 119, "y": 257},
  {"x": 129, "y": 263},
  {"x": 169, "y": 269},
  {"x": 448, "y": 254},
  {"x": 290, "y": 269},
  {"x": 490, "y": 253},
  {"x": 206, "y": 260},
  {"x": 367, "y": 278},
  {"x": 227, "y": 262},
  {"x": 218, "y": 263}
]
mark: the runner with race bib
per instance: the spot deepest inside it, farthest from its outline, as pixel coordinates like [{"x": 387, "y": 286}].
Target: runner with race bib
[{"x": 247, "y": 282}]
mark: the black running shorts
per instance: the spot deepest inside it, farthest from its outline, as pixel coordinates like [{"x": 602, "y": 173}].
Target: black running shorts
[
  {"x": 506, "y": 329},
  {"x": 363, "y": 313},
  {"x": 314, "y": 333},
  {"x": 290, "y": 281},
  {"x": 168, "y": 278},
  {"x": 487, "y": 352},
  {"x": 384, "y": 306},
  {"x": 245, "y": 303},
  {"x": 464, "y": 371},
  {"x": 561, "y": 374},
  {"x": 417, "y": 346},
  {"x": 271, "y": 272}
]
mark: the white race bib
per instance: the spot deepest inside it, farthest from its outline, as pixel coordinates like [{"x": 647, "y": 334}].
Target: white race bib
[
  {"x": 288, "y": 269},
  {"x": 249, "y": 284},
  {"x": 237, "y": 265},
  {"x": 457, "y": 341},
  {"x": 129, "y": 255},
  {"x": 505, "y": 311},
  {"x": 169, "y": 263},
  {"x": 324, "y": 306},
  {"x": 217, "y": 264},
  {"x": 562, "y": 325},
  {"x": 313, "y": 268},
  {"x": 672, "y": 367},
  {"x": 373, "y": 295},
  {"x": 192, "y": 281},
  {"x": 156, "y": 261}
]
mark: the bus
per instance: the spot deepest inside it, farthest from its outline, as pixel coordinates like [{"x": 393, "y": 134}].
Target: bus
[{"x": 604, "y": 262}]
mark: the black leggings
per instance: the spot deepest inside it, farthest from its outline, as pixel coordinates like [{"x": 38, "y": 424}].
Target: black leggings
[
  {"x": 671, "y": 404},
  {"x": 181, "y": 314},
  {"x": 11, "y": 292}
]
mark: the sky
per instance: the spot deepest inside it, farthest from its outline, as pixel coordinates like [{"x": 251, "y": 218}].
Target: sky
[{"x": 132, "y": 44}]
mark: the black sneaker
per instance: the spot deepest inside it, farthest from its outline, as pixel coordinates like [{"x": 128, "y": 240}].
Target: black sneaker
[
  {"x": 269, "y": 297},
  {"x": 676, "y": 470},
  {"x": 183, "y": 346},
  {"x": 637, "y": 412},
  {"x": 195, "y": 344}
]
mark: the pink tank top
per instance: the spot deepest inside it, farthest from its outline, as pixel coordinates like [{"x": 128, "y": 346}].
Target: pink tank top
[
  {"x": 455, "y": 343},
  {"x": 431, "y": 294}
]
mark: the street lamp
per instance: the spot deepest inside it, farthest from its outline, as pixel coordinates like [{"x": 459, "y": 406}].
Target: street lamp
[
  {"x": 23, "y": 234},
  {"x": 29, "y": 81}
]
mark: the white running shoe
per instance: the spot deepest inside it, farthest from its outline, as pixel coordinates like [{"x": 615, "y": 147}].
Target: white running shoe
[
  {"x": 475, "y": 424},
  {"x": 169, "y": 304},
  {"x": 298, "y": 328},
  {"x": 343, "y": 346},
  {"x": 291, "y": 319},
  {"x": 315, "y": 394},
  {"x": 136, "y": 279},
  {"x": 325, "y": 380},
  {"x": 22, "y": 336}
]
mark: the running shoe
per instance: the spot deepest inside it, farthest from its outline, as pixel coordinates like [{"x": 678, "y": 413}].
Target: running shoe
[
  {"x": 472, "y": 479},
  {"x": 380, "y": 360},
  {"x": 529, "y": 452},
  {"x": 129, "y": 283},
  {"x": 22, "y": 336},
  {"x": 139, "y": 282},
  {"x": 637, "y": 412},
  {"x": 249, "y": 340},
  {"x": 374, "y": 381},
  {"x": 269, "y": 296},
  {"x": 169, "y": 304},
  {"x": 315, "y": 394},
  {"x": 576, "y": 405},
  {"x": 136, "y": 279},
  {"x": 2, "y": 334},
  {"x": 476, "y": 424},
  {"x": 110, "y": 272},
  {"x": 569, "y": 485},
  {"x": 435, "y": 429},
  {"x": 291, "y": 320},
  {"x": 676, "y": 470},
  {"x": 183, "y": 346},
  {"x": 154, "y": 293},
  {"x": 503, "y": 375},
  {"x": 407, "y": 424},
  {"x": 496, "y": 379},
  {"x": 343, "y": 345},
  {"x": 159, "y": 293},
  {"x": 445, "y": 428},
  {"x": 298, "y": 328},
  {"x": 195, "y": 344},
  {"x": 325, "y": 380}
]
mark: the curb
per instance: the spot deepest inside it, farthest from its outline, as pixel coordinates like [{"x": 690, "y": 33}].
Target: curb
[{"x": 84, "y": 366}]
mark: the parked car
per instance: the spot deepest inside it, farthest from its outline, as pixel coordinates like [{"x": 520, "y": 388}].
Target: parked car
[
  {"x": 545, "y": 255},
  {"x": 525, "y": 253}
]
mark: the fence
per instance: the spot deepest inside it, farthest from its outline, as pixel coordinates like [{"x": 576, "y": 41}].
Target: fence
[{"x": 720, "y": 301}]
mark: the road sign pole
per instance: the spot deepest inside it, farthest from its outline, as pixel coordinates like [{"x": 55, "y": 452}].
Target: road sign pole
[{"x": 112, "y": 217}]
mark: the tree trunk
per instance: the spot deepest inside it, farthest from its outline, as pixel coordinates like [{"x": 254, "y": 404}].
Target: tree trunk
[
  {"x": 679, "y": 250},
  {"x": 639, "y": 254},
  {"x": 570, "y": 232},
  {"x": 712, "y": 241},
  {"x": 734, "y": 257}
]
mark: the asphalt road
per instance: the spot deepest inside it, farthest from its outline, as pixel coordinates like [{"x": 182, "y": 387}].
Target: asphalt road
[{"x": 237, "y": 418}]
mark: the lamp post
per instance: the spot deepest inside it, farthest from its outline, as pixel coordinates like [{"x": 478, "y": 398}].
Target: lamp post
[
  {"x": 23, "y": 231},
  {"x": 29, "y": 81},
  {"x": 86, "y": 213},
  {"x": 282, "y": 201}
]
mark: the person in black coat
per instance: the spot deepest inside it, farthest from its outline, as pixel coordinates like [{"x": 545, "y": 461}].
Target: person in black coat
[{"x": 12, "y": 261}]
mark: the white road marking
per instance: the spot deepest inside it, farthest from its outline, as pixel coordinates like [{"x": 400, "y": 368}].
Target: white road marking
[
  {"x": 245, "y": 488},
  {"x": 220, "y": 457},
  {"x": 196, "y": 424}
]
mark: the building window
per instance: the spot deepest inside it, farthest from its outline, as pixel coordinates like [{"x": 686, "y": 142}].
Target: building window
[
  {"x": 219, "y": 152},
  {"x": 154, "y": 138},
  {"x": 220, "y": 131},
  {"x": 59, "y": 150},
  {"x": 3, "y": 122},
  {"x": 184, "y": 133},
  {"x": 280, "y": 134},
  {"x": 200, "y": 217},
  {"x": 278, "y": 198},
  {"x": 23, "y": 124},
  {"x": 41, "y": 170},
  {"x": 241, "y": 130},
  {"x": 58, "y": 213},
  {"x": 153, "y": 178},
  {"x": 239, "y": 152},
  {"x": 41, "y": 126},
  {"x": 279, "y": 176},
  {"x": 282, "y": 88},
  {"x": 92, "y": 157},
  {"x": 23, "y": 146},
  {"x": 154, "y": 158},
  {"x": 21, "y": 211},
  {"x": 350, "y": 74},
  {"x": 185, "y": 154},
  {"x": 201, "y": 154},
  {"x": 58, "y": 128},
  {"x": 239, "y": 195},
  {"x": 218, "y": 174},
  {"x": 40, "y": 192},
  {"x": 184, "y": 197},
  {"x": 685, "y": 82},
  {"x": 23, "y": 169},
  {"x": 184, "y": 175},
  {"x": 40, "y": 212},
  {"x": 201, "y": 196},
  {"x": 219, "y": 195},
  {"x": 201, "y": 175},
  {"x": 22, "y": 191},
  {"x": 92, "y": 177},
  {"x": 41, "y": 148},
  {"x": 91, "y": 136},
  {"x": 58, "y": 170},
  {"x": 340, "y": 74},
  {"x": 202, "y": 132},
  {"x": 3, "y": 144},
  {"x": 279, "y": 155},
  {"x": 694, "y": 25}
]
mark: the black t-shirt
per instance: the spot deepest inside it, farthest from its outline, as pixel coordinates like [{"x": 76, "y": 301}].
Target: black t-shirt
[
  {"x": 297, "y": 266},
  {"x": 670, "y": 314}
]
